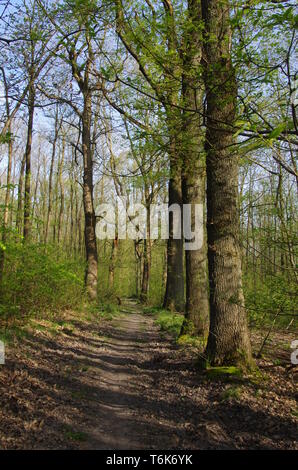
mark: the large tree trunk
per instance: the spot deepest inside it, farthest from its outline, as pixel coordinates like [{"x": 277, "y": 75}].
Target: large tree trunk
[
  {"x": 228, "y": 341},
  {"x": 27, "y": 196},
  {"x": 194, "y": 173},
  {"x": 174, "y": 296},
  {"x": 90, "y": 221}
]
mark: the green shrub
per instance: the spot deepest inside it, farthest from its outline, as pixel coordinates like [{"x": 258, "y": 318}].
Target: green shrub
[
  {"x": 38, "y": 279},
  {"x": 171, "y": 322},
  {"x": 193, "y": 341},
  {"x": 271, "y": 298}
]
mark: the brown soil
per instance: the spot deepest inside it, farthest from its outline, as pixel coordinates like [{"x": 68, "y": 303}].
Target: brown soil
[{"x": 122, "y": 385}]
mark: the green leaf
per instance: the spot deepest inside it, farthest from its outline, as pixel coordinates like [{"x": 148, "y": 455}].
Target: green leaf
[{"x": 277, "y": 131}]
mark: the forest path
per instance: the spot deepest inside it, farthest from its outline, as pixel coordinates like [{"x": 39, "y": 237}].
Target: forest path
[
  {"x": 94, "y": 383},
  {"x": 120, "y": 418}
]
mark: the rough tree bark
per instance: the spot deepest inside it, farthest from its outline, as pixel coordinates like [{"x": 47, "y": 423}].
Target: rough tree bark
[
  {"x": 228, "y": 341},
  {"x": 83, "y": 82},
  {"x": 90, "y": 221},
  {"x": 174, "y": 296},
  {"x": 194, "y": 172}
]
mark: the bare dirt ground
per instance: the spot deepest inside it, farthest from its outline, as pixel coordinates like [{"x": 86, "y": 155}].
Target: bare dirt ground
[{"x": 121, "y": 384}]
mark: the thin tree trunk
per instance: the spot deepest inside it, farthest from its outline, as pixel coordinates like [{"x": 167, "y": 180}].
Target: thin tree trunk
[
  {"x": 6, "y": 203},
  {"x": 138, "y": 258},
  {"x": 71, "y": 210},
  {"x": 49, "y": 213},
  {"x": 146, "y": 257},
  {"x": 164, "y": 268},
  {"x": 146, "y": 272},
  {"x": 20, "y": 195},
  {"x": 35, "y": 193},
  {"x": 61, "y": 186},
  {"x": 77, "y": 228},
  {"x": 80, "y": 244},
  {"x": 280, "y": 206},
  {"x": 174, "y": 294},
  {"x": 12, "y": 213},
  {"x": 228, "y": 340},
  {"x": 27, "y": 195},
  {"x": 112, "y": 263}
]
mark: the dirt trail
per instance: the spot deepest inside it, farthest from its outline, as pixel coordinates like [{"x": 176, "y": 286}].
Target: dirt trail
[
  {"x": 120, "y": 423},
  {"x": 121, "y": 384}
]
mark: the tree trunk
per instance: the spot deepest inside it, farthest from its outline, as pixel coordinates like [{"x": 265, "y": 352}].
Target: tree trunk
[
  {"x": 90, "y": 221},
  {"x": 61, "y": 187},
  {"x": 71, "y": 203},
  {"x": 35, "y": 196},
  {"x": 27, "y": 195},
  {"x": 194, "y": 173},
  {"x": 77, "y": 215},
  {"x": 49, "y": 213},
  {"x": 146, "y": 258},
  {"x": 174, "y": 295},
  {"x": 20, "y": 195},
  {"x": 6, "y": 203},
  {"x": 228, "y": 341},
  {"x": 138, "y": 260},
  {"x": 146, "y": 272},
  {"x": 112, "y": 263}
]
